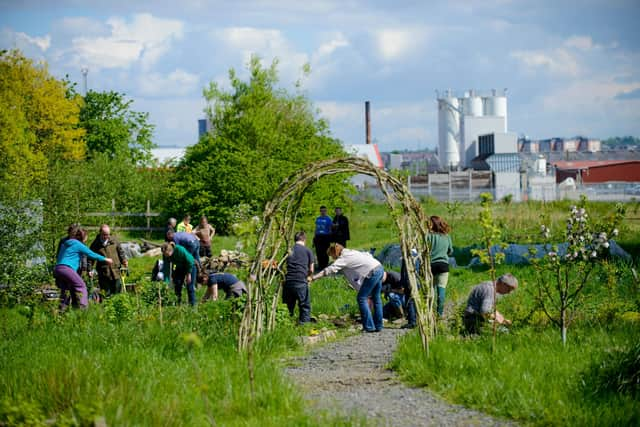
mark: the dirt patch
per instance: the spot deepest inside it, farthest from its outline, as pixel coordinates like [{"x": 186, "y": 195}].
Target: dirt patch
[{"x": 349, "y": 377}]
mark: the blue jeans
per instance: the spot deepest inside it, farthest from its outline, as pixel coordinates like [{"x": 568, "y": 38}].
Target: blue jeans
[
  {"x": 371, "y": 286},
  {"x": 178, "y": 281}
]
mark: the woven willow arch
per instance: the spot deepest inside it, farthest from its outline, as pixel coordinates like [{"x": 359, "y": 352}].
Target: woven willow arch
[{"x": 276, "y": 236}]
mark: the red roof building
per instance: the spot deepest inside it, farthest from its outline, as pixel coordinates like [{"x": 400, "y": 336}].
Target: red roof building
[{"x": 597, "y": 171}]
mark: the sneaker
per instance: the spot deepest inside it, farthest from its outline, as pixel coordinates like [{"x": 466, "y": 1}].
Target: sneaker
[{"x": 408, "y": 326}]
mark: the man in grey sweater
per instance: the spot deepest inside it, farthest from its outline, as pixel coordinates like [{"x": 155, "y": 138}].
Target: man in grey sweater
[{"x": 481, "y": 300}]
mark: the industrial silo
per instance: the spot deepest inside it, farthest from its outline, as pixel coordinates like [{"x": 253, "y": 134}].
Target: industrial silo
[
  {"x": 448, "y": 131},
  {"x": 496, "y": 105},
  {"x": 472, "y": 105}
]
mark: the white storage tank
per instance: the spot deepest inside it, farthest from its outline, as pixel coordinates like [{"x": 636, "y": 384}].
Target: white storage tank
[
  {"x": 496, "y": 105},
  {"x": 472, "y": 105},
  {"x": 448, "y": 131}
]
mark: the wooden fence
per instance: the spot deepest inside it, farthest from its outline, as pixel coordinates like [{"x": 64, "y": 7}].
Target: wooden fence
[{"x": 113, "y": 214}]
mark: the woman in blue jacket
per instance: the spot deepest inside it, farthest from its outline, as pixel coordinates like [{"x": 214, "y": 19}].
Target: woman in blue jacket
[{"x": 65, "y": 271}]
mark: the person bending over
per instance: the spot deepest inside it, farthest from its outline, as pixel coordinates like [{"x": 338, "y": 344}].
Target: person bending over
[{"x": 480, "y": 304}]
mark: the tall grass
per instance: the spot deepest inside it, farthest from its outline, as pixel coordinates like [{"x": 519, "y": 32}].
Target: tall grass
[
  {"x": 530, "y": 377},
  {"x": 120, "y": 363},
  {"x": 80, "y": 366}
]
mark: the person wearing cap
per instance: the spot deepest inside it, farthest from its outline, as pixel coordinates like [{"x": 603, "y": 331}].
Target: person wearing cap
[
  {"x": 365, "y": 273},
  {"x": 480, "y": 304}
]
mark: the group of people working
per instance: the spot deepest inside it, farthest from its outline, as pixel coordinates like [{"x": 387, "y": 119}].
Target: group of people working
[
  {"x": 183, "y": 247},
  {"x": 366, "y": 275}
]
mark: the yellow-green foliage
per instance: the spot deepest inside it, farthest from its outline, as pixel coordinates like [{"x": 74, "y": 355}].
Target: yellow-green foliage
[{"x": 37, "y": 123}]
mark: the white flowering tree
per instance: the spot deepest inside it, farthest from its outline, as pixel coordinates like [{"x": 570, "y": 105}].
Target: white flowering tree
[{"x": 564, "y": 270}]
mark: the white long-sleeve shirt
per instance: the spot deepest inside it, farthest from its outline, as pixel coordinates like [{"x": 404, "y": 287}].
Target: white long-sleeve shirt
[{"x": 354, "y": 264}]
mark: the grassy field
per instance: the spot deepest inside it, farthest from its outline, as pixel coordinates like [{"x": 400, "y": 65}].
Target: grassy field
[{"x": 121, "y": 362}]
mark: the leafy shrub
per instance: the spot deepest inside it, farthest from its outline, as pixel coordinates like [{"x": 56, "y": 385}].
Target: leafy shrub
[
  {"x": 119, "y": 308},
  {"x": 22, "y": 268},
  {"x": 20, "y": 412},
  {"x": 151, "y": 293}
]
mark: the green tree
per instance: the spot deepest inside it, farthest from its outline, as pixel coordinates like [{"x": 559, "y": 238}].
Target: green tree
[
  {"x": 113, "y": 128},
  {"x": 563, "y": 277},
  {"x": 38, "y": 125},
  {"x": 261, "y": 134}
]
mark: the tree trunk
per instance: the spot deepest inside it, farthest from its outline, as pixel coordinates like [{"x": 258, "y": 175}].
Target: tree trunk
[{"x": 563, "y": 325}]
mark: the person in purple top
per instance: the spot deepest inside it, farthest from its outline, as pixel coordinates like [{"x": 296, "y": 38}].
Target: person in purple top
[
  {"x": 65, "y": 271},
  {"x": 322, "y": 237}
]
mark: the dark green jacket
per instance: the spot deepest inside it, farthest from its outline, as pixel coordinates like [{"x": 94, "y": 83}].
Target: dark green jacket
[
  {"x": 112, "y": 250},
  {"x": 180, "y": 259}
]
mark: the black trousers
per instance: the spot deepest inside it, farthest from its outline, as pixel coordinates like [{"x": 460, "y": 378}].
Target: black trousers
[
  {"x": 472, "y": 323},
  {"x": 298, "y": 294},
  {"x": 322, "y": 243}
]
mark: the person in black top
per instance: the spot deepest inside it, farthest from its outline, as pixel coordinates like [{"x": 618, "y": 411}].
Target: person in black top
[
  {"x": 340, "y": 228},
  {"x": 296, "y": 286}
]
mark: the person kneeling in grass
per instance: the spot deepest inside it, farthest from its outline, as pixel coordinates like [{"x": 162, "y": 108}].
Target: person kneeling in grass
[
  {"x": 230, "y": 284},
  {"x": 480, "y": 303}
]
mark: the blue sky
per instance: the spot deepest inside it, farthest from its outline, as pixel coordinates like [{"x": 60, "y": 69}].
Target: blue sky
[{"x": 571, "y": 68}]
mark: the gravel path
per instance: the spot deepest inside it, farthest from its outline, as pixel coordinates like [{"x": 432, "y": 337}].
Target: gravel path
[{"x": 349, "y": 377}]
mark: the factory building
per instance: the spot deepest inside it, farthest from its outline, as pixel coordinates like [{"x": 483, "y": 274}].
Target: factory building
[
  {"x": 599, "y": 171},
  {"x": 461, "y": 121}
]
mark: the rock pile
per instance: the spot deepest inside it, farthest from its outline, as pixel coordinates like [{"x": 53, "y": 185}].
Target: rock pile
[{"x": 226, "y": 260}]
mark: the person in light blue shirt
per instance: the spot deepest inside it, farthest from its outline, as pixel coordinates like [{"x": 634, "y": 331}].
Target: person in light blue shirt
[
  {"x": 65, "y": 271},
  {"x": 322, "y": 237}
]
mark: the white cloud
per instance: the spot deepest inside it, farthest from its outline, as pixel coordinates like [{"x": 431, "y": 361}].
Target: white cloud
[
  {"x": 176, "y": 83},
  {"x": 556, "y": 61},
  {"x": 346, "y": 112},
  {"x": 145, "y": 39},
  {"x": 584, "y": 43},
  {"x": 268, "y": 44},
  {"x": 23, "y": 41},
  {"x": 253, "y": 39},
  {"x": 395, "y": 43},
  {"x": 329, "y": 47},
  {"x": 80, "y": 25}
]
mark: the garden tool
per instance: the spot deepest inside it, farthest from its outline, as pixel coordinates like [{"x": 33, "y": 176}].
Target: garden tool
[{"x": 123, "y": 274}]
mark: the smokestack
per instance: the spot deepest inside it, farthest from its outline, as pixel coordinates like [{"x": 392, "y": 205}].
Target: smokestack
[{"x": 367, "y": 118}]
